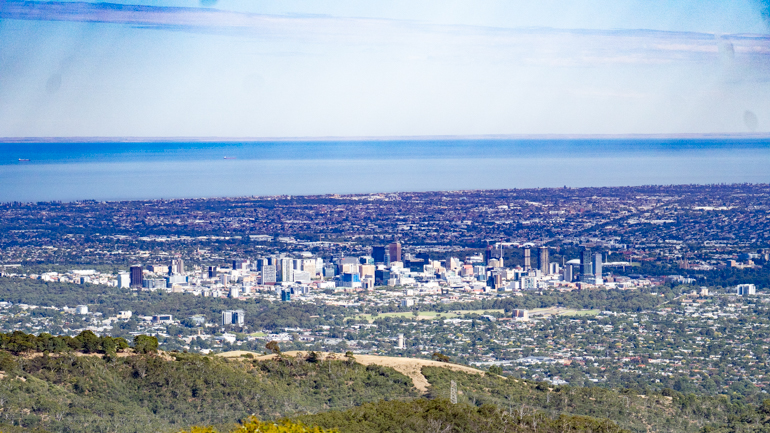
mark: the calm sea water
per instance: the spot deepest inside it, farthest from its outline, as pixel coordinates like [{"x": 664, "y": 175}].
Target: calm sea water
[{"x": 112, "y": 171}]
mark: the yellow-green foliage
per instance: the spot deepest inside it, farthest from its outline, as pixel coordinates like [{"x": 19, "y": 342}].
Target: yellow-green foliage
[{"x": 253, "y": 425}]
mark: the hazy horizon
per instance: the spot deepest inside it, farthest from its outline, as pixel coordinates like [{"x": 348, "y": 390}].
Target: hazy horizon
[{"x": 487, "y": 137}]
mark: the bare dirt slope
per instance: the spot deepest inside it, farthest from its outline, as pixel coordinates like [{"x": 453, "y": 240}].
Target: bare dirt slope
[{"x": 411, "y": 367}]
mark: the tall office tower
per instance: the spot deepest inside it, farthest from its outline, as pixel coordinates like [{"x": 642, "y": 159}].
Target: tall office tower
[
  {"x": 177, "y": 267},
  {"x": 364, "y": 270},
  {"x": 494, "y": 254},
  {"x": 227, "y": 317},
  {"x": 544, "y": 262},
  {"x": 212, "y": 271},
  {"x": 308, "y": 265},
  {"x": 137, "y": 278},
  {"x": 287, "y": 269},
  {"x": 553, "y": 268},
  {"x": 527, "y": 260},
  {"x": 268, "y": 274},
  {"x": 348, "y": 265},
  {"x": 585, "y": 263},
  {"x": 378, "y": 254},
  {"x": 598, "y": 265},
  {"x": 395, "y": 251},
  {"x": 233, "y": 317},
  {"x": 286, "y": 295},
  {"x": 261, "y": 263},
  {"x": 381, "y": 277},
  {"x": 387, "y": 258},
  {"x": 568, "y": 273},
  {"x": 453, "y": 263},
  {"x": 124, "y": 281},
  {"x": 329, "y": 270}
]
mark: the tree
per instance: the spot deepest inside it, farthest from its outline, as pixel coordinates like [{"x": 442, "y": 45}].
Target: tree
[
  {"x": 273, "y": 347},
  {"x": 145, "y": 344},
  {"x": 89, "y": 342},
  {"x": 496, "y": 369}
]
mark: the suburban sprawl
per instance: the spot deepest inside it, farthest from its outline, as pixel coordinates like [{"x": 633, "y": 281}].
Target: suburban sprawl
[{"x": 657, "y": 286}]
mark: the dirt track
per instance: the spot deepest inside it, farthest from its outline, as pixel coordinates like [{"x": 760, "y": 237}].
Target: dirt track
[{"x": 410, "y": 367}]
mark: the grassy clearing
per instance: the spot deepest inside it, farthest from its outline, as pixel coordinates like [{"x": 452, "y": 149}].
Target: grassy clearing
[
  {"x": 555, "y": 311},
  {"x": 425, "y": 315}
]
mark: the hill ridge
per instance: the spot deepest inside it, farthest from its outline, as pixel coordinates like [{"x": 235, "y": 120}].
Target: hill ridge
[{"x": 410, "y": 367}]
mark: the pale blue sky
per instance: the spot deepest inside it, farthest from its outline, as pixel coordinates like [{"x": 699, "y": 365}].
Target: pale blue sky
[
  {"x": 733, "y": 16},
  {"x": 307, "y": 68}
]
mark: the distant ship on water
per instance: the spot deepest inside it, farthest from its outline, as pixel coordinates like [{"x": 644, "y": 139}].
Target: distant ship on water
[
  {"x": 230, "y": 157},
  {"x": 23, "y": 160}
]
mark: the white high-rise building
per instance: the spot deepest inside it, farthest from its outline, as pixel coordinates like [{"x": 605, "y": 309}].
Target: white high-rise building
[
  {"x": 454, "y": 263},
  {"x": 268, "y": 274},
  {"x": 554, "y": 268},
  {"x": 287, "y": 269},
  {"x": 124, "y": 280},
  {"x": 301, "y": 277},
  {"x": 568, "y": 273},
  {"x": 401, "y": 343},
  {"x": 177, "y": 267},
  {"x": 746, "y": 289},
  {"x": 232, "y": 317}
]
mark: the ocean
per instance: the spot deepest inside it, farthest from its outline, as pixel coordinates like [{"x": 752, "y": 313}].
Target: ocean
[{"x": 153, "y": 170}]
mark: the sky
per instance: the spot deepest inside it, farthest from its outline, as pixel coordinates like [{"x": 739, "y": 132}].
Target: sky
[{"x": 295, "y": 68}]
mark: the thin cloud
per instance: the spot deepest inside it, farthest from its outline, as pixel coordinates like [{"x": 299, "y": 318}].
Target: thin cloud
[
  {"x": 170, "y": 71},
  {"x": 536, "y": 46}
]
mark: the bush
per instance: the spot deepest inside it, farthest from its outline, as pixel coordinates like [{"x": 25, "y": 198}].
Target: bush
[{"x": 440, "y": 357}]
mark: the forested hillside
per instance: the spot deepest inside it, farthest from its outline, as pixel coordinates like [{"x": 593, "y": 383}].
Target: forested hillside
[
  {"x": 92, "y": 384},
  {"x": 129, "y": 392}
]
